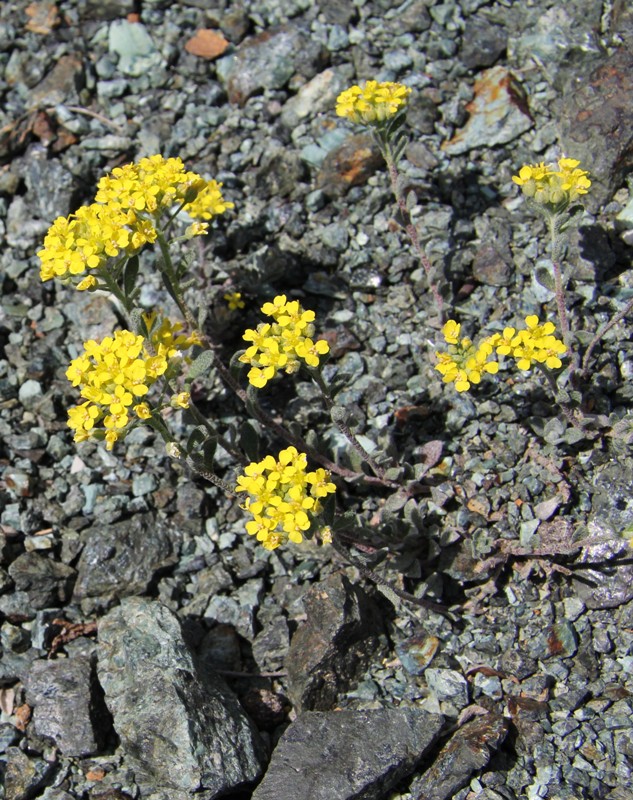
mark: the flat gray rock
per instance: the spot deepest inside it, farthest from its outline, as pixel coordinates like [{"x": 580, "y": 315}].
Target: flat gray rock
[
  {"x": 182, "y": 729},
  {"x": 348, "y": 754},
  {"x": 121, "y": 559}
]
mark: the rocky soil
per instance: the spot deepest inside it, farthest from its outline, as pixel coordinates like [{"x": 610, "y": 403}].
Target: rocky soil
[{"x": 150, "y": 648}]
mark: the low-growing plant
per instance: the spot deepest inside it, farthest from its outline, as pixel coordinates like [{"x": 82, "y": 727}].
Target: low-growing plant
[
  {"x": 553, "y": 191},
  {"x": 140, "y": 375}
]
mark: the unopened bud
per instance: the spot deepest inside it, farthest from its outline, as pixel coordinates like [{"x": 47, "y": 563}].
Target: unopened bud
[{"x": 172, "y": 450}]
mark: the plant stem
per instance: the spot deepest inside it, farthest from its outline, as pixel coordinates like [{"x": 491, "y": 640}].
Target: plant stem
[
  {"x": 565, "y": 407},
  {"x": 228, "y": 378},
  {"x": 209, "y": 475},
  {"x": 221, "y": 440},
  {"x": 380, "y": 581},
  {"x": 173, "y": 281},
  {"x": 408, "y": 222},
  {"x": 601, "y": 333},
  {"x": 345, "y": 430},
  {"x": 113, "y": 287}
]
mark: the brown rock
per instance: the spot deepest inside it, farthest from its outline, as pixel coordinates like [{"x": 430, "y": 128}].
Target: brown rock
[
  {"x": 207, "y": 43},
  {"x": 349, "y": 165}
]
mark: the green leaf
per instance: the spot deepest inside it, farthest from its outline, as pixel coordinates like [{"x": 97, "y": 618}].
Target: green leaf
[
  {"x": 574, "y": 217},
  {"x": 252, "y": 401},
  {"x": 196, "y": 438},
  {"x": 329, "y": 509},
  {"x": 235, "y": 365},
  {"x": 136, "y": 318},
  {"x": 208, "y": 451},
  {"x": 250, "y": 440},
  {"x": 545, "y": 278},
  {"x": 395, "y": 503},
  {"x": 169, "y": 286},
  {"x": 185, "y": 263},
  {"x": 130, "y": 274},
  {"x": 394, "y": 473},
  {"x": 412, "y": 515},
  {"x": 200, "y": 365},
  {"x": 203, "y": 313}
]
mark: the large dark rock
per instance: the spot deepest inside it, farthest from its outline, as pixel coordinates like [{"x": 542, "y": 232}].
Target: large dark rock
[
  {"x": 25, "y": 777},
  {"x": 123, "y": 558},
  {"x": 468, "y": 750},
  {"x": 343, "y": 633},
  {"x": 68, "y": 704},
  {"x": 348, "y": 754},
  {"x": 596, "y": 122},
  {"x": 47, "y": 583},
  {"x": 603, "y": 577},
  {"x": 181, "y": 727}
]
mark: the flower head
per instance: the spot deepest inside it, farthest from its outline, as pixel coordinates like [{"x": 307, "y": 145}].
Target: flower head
[
  {"x": 536, "y": 343},
  {"x": 282, "y": 344},
  {"x": 124, "y": 217},
  {"x": 283, "y": 497},
  {"x": 373, "y": 103},
  {"x": 234, "y": 300},
  {"x": 464, "y": 363},
  {"x": 551, "y": 188},
  {"x": 114, "y": 376}
]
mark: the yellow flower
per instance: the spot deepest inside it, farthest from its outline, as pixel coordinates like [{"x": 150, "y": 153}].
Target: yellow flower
[
  {"x": 553, "y": 189},
  {"x": 534, "y": 344},
  {"x": 234, "y": 300},
  {"x": 464, "y": 364},
  {"x": 282, "y": 344},
  {"x": 122, "y": 219},
  {"x": 114, "y": 374},
  {"x": 372, "y": 104},
  {"x": 283, "y": 497},
  {"x": 181, "y": 400}
]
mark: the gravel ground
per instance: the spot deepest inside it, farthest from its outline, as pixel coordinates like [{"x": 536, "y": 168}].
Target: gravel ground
[{"x": 149, "y": 647}]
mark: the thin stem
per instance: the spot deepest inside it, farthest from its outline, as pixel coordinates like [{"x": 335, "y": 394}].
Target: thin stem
[
  {"x": 380, "y": 581},
  {"x": 265, "y": 418},
  {"x": 113, "y": 287},
  {"x": 173, "y": 280},
  {"x": 345, "y": 430},
  {"x": 208, "y": 475},
  {"x": 408, "y": 222},
  {"x": 604, "y": 330},
  {"x": 565, "y": 407},
  {"x": 228, "y": 378},
  {"x": 559, "y": 286},
  {"x": 221, "y": 440}
]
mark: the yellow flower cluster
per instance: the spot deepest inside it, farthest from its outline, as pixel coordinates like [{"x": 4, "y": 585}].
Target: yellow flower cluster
[
  {"x": 373, "y": 103},
  {"x": 157, "y": 183},
  {"x": 115, "y": 374},
  {"x": 464, "y": 363},
  {"x": 88, "y": 238},
  {"x": 551, "y": 187},
  {"x": 535, "y": 344},
  {"x": 282, "y": 344},
  {"x": 284, "y": 498},
  {"x": 124, "y": 215}
]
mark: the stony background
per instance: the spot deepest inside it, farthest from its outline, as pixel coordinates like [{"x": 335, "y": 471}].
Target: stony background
[{"x": 209, "y": 649}]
